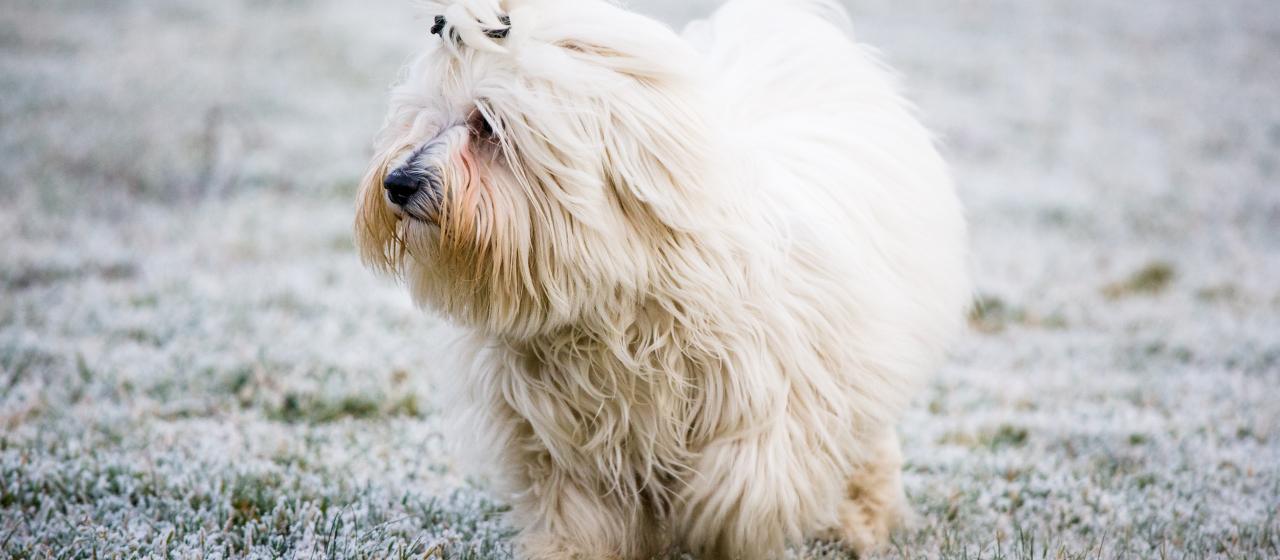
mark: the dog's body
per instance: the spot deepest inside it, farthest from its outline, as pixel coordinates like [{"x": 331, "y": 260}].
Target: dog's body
[{"x": 703, "y": 276}]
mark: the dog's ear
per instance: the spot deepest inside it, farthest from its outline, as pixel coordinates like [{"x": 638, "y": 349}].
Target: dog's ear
[
  {"x": 656, "y": 153},
  {"x": 655, "y": 139},
  {"x": 643, "y": 83}
]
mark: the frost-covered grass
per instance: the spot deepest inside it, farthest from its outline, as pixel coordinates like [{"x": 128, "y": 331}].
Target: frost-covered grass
[{"x": 193, "y": 363}]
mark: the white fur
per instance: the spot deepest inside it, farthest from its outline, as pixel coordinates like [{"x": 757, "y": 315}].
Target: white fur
[{"x": 703, "y": 275}]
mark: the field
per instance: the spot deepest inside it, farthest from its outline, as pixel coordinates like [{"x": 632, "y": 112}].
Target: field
[{"x": 193, "y": 363}]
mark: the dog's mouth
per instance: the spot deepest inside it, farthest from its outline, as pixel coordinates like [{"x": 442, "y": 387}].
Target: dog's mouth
[{"x": 416, "y": 209}]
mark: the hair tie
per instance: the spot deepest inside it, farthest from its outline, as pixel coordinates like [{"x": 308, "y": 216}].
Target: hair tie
[{"x": 504, "y": 19}]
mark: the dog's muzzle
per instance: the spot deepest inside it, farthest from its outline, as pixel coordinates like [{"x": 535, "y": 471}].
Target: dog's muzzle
[{"x": 414, "y": 187}]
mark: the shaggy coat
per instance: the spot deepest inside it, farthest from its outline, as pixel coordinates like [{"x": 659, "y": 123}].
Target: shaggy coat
[{"x": 702, "y": 275}]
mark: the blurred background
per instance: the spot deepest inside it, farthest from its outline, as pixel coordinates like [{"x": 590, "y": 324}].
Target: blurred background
[{"x": 194, "y": 363}]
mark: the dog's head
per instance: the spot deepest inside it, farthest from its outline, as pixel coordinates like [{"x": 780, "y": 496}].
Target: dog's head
[{"x": 535, "y": 160}]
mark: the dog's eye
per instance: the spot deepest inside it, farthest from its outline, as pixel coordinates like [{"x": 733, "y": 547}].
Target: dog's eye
[{"x": 479, "y": 125}]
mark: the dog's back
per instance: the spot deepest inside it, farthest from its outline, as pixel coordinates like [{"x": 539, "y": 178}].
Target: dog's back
[{"x": 865, "y": 196}]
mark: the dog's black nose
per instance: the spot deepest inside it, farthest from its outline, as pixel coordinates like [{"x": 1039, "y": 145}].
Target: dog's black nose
[{"x": 401, "y": 186}]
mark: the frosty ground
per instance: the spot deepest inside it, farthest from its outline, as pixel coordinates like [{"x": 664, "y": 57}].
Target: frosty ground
[{"x": 193, "y": 362}]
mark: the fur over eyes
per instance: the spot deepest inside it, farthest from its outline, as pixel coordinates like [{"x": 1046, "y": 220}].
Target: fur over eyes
[{"x": 702, "y": 275}]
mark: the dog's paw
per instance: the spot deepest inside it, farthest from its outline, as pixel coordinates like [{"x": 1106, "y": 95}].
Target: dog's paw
[
  {"x": 864, "y": 530},
  {"x": 543, "y": 546}
]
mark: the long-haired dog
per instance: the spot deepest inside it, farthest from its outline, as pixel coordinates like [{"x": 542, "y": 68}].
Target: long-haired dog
[{"x": 702, "y": 275}]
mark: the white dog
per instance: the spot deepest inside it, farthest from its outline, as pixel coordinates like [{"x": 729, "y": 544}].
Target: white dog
[{"x": 704, "y": 275}]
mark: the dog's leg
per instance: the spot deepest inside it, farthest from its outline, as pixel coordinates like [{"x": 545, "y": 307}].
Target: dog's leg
[
  {"x": 876, "y": 503},
  {"x": 745, "y": 503},
  {"x": 564, "y": 520}
]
